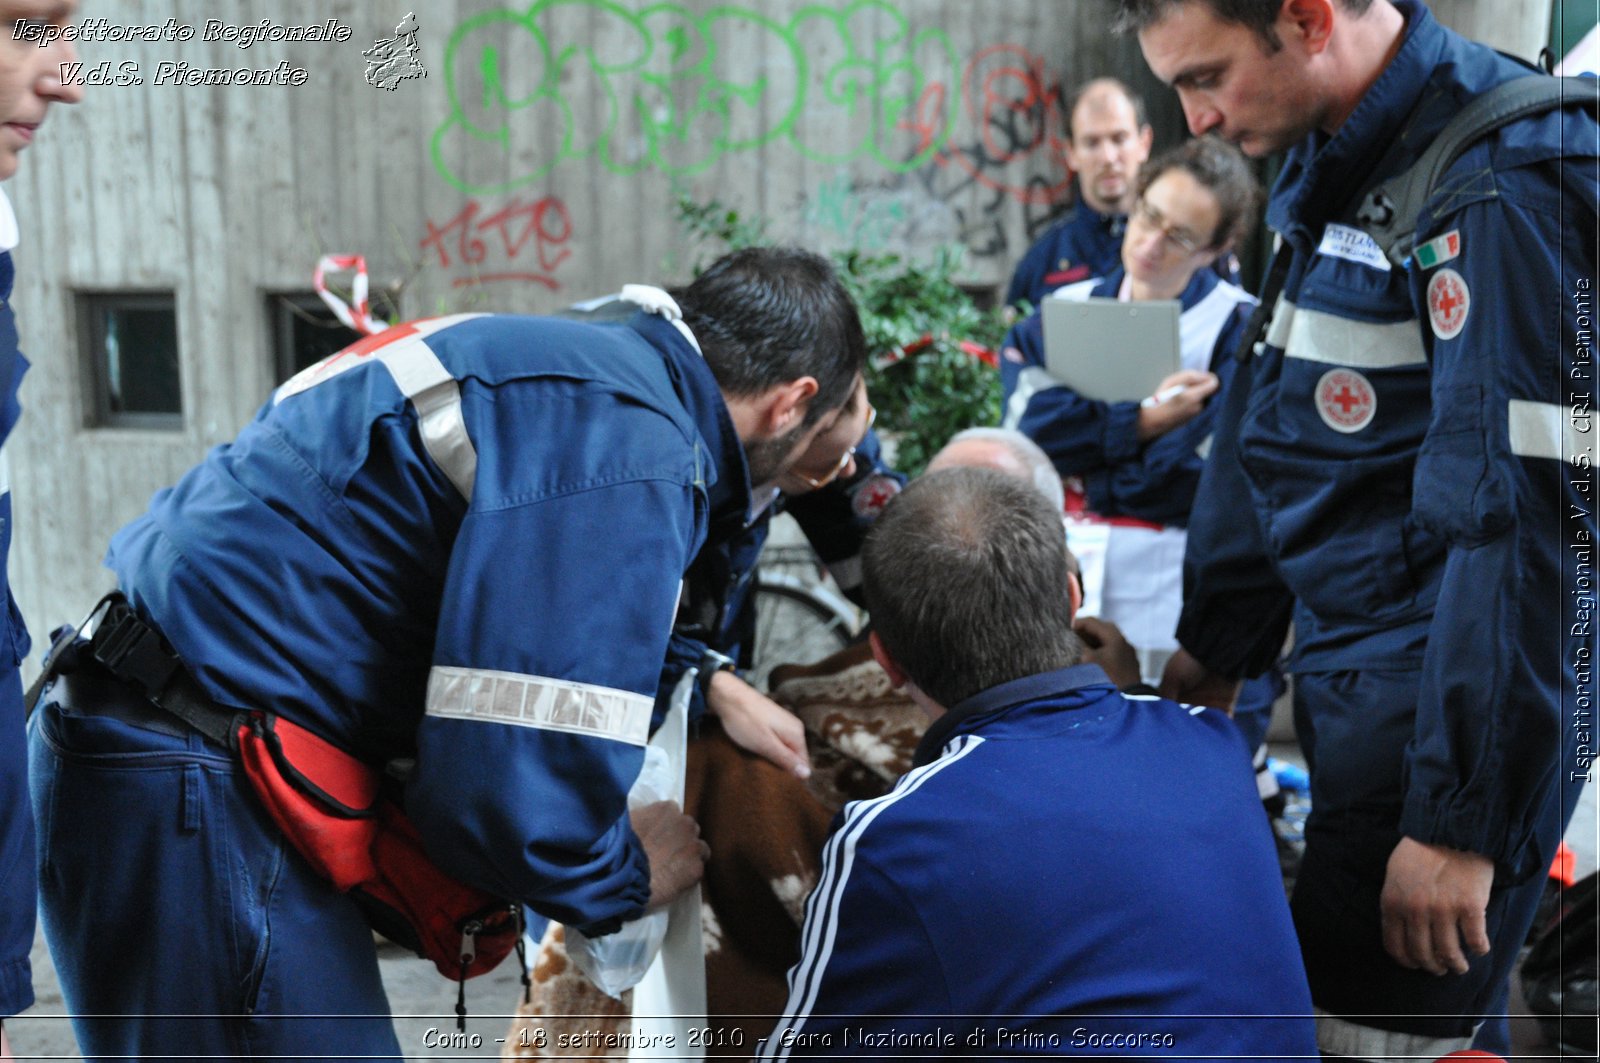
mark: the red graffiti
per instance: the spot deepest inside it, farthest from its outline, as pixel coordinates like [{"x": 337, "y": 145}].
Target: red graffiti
[
  {"x": 545, "y": 223},
  {"x": 1015, "y": 107}
]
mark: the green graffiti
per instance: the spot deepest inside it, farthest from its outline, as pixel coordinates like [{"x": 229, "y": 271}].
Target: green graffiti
[
  {"x": 845, "y": 212},
  {"x": 664, "y": 88}
]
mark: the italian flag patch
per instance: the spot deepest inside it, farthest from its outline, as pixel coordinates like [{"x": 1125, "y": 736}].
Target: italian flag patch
[{"x": 1439, "y": 250}]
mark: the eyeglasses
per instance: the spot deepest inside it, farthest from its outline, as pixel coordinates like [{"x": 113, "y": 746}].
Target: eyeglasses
[
  {"x": 1178, "y": 237},
  {"x": 844, "y": 459}
]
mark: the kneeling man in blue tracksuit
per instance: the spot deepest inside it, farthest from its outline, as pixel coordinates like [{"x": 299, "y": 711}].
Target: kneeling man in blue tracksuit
[{"x": 1008, "y": 897}]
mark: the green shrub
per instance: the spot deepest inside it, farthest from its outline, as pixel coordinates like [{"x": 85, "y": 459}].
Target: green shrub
[{"x": 922, "y": 333}]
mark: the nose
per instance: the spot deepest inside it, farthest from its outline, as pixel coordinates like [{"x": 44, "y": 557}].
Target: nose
[
  {"x": 50, "y": 84},
  {"x": 1146, "y": 242},
  {"x": 1201, "y": 116}
]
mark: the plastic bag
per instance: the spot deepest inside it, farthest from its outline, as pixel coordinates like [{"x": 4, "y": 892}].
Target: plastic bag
[{"x": 616, "y": 962}]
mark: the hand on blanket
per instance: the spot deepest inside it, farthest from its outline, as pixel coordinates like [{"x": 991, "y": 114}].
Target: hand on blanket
[
  {"x": 757, "y": 723},
  {"x": 673, "y": 846}
]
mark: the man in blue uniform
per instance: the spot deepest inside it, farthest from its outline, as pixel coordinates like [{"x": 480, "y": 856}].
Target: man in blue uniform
[
  {"x": 1406, "y": 439},
  {"x": 1003, "y": 899},
  {"x": 1108, "y": 139},
  {"x": 455, "y": 550},
  {"x": 834, "y": 491},
  {"x": 30, "y": 81}
]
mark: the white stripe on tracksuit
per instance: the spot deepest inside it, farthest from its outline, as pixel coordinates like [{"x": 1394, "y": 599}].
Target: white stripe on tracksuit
[{"x": 822, "y": 909}]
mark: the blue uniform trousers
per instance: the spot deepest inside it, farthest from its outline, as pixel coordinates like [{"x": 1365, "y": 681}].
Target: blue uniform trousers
[
  {"x": 1353, "y": 728},
  {"x": 180, "y": 922},
  {"x": 1252, "y": 712}
]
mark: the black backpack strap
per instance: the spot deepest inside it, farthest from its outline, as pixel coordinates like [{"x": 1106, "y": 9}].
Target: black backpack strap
[
  {"x": 1389, "y": 212},
  {"x": 1256, "y": 328}
]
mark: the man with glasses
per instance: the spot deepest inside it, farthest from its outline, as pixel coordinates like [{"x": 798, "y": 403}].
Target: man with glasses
[
  {"x": 1405, "y": 471},
  {"x": 834, "y": 491},
  {"x": 1108, "y": 139},
  {"x": 1132, "y": 467},
  {"x": 454, "y": 551}
]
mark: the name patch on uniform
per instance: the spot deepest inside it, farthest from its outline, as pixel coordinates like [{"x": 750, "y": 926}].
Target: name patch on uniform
[
  {"x": 1345, "y": 400},
  {"x": 1439, "y": 250},
  {"x": 1353, "y": 245},
  {"x": 1448, "y": 303}
]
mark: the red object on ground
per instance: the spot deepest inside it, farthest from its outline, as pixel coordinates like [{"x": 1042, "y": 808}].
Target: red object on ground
[{"x": 1564, "y": 869}]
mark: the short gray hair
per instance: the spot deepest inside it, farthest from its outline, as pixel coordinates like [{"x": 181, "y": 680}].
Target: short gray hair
[{"x": 1032, "y": 456}]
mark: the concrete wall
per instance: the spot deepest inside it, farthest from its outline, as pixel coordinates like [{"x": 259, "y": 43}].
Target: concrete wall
[{"x": 536, "y": 164}]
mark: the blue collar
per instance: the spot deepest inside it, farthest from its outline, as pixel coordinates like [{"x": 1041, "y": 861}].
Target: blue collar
[
  {"x": 728, "y": 485},
  {"x": 1322, "y": 175},
  {"x": 1054, "y": 685},
  {"x": 1200, "y": 285}
]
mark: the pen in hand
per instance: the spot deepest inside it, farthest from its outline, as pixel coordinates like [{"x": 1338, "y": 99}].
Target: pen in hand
[{"x": 1164, "y": 395}]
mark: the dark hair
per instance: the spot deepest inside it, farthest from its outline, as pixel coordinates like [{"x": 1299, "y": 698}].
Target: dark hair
[
  {"x": 1221, "y": 168},
  {"x": 1141, "y": 117},
  {"x": 767, "y": 315},
  {"x": 1261, "y": 16},
  {"x": 966, "y": 579}
]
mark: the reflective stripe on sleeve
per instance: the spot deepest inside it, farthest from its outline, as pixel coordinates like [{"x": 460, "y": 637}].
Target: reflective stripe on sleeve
[
  {"x": 1029, "y": 382},
  {"x": 539, "y": 702},
  {"x": 1320, "y": 337},
  {"x": 1282, "y": 317},
  {"x": 423, "y": 379},
  {"x": 1342, "y": 1038},
  {"x": 1544, "y": 430}
]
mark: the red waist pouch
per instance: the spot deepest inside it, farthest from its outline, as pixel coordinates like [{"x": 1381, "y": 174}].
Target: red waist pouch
[{"x": 331, "y": 808}]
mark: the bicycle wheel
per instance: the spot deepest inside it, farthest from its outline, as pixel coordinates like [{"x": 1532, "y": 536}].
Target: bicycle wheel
[{"x": 796, "y": 624}]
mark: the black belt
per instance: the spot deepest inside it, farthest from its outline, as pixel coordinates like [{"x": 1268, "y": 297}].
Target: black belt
[{"x": 121, "y": 644}]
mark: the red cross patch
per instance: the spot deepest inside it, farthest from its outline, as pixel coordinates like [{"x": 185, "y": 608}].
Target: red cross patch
[
  {"x": 1345, "y": 400},
  {"x": 873, "y": 494},
  {"x": 1448, "y": 302}
]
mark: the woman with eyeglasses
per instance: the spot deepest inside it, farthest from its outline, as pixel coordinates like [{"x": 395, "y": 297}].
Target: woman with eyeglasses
[{"x": 1131, "y": 468}]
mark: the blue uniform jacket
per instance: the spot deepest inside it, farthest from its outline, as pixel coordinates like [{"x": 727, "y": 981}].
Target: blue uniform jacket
[
  {"x": 1083, "y": 244},
  {"x": 17, "y": 883},
  {"x": 719, "y": 612},
  {"x": 1011, "y": 895},
  {"x": 1415, "y": 447},
  {"x": 1098, "y": 441},
  {"x": 461, "y": 541}
]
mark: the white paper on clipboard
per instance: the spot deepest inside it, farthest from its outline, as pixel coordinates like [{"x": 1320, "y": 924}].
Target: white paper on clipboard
[
  {"x": 670, "y": 1000},
  {"x": 1108, "y": 350}
]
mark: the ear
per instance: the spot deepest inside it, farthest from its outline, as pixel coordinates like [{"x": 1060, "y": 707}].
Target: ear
[
  {"x": 1310, "y": 20},
  {"x": 784, "y": 406},
  {"x": 1147, "y": 139},
  {"x": 897, "y": 675},
  {"x": 1075, "y": 592}
]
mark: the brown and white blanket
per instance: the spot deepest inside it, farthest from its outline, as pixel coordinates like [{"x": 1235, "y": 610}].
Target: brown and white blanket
[{"x": 765, "y": 829}]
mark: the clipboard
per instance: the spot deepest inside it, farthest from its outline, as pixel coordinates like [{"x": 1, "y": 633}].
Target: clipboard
[{"x": 1109, "y": 350}]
